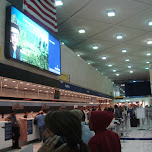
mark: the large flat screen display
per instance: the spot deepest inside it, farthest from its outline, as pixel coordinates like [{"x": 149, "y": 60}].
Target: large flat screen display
[{"x": 28, "y": 42}]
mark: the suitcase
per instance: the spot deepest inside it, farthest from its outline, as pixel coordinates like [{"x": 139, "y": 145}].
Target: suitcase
[{"x": 134, "y": 122}]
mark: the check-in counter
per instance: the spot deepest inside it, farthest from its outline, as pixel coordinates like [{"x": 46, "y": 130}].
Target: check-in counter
[
  {"x": 5, "y": 134},
  {"x": 28, "y": 131}
]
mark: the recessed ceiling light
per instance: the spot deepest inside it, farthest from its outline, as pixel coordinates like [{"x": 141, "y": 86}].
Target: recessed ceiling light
[
  {"x": 119, "y": 37},
  {"x": 96, "y": 69},
  {"x": 104, "y": 58},
  {"x": 46, "y": 91},
  {"x": 16, "y": 87},
  {"x": 150, "y": 23},
  {"x": 58, "y": 3},
  {"x": 25, "y": 88},
  {"x": 124, "y": 51},
  {"x": 89, "y": 63},
  {"x": 81, "y": 31},
  {"x": 21, "y": 82},
  {"x": 129, "y": 66},
  {"x": 133, "y": 81},
  {"x": 131, "y": 71},
  {"x": 5, "y": 85},
  {"x": 78, "y": 54},
  {"x": 117, "y": 74},
  {"x": 147, "y": 62},
  {"x": 62, "y": 43},
  {"x": 148, "y": 54},
  {"x": 43, "y": 87},
  {"x": 40, "y": 90},
  {"x": 127, "y": 60},
  {"x": 33, "y": 89},
  {"x": 111, "y": 13},
  {"x": 13, "y": 81},
  {"x": 149, "y": 42},
  {"x": 110, "y": 65},
  {"x": 146, "y": 68},
  {"x": 114, "y": 70},
  {"x": 27, "y": 84},
  {"x": 5, "y": 79},
  {"x": 33, "y": 85},
  {"x": 95, "y": 47},
  {"x": 39, "y": 86}
]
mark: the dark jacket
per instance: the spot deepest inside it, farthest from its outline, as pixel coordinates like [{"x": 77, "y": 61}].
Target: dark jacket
[{"x": 104, "y": 140}]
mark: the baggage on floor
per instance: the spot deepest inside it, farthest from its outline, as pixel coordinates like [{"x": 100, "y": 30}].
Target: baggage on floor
[{"x": 134, "y": 122}]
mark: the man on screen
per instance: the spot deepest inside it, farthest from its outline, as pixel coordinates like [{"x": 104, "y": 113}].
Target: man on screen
[{"x": 14, "y": 49}]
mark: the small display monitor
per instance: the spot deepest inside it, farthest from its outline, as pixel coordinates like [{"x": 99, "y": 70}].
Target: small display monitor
[{"x": 57, "y": 94}]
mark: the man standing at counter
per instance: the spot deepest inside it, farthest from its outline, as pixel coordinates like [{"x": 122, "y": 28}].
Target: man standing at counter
[{"x": 15, "y": 128}]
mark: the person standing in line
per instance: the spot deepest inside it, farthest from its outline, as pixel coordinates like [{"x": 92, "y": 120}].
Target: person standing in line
[
  {"x": 40, "y": 123},
  {"x": 104, "y": 140},
  {"x": 87, "y": 134},
  {"x": 15, "y": 128},
  {"x": 25, "y": 114}
]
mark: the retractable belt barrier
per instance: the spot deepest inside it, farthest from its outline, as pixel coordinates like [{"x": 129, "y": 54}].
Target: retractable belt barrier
[{"x": 135, "y": 138}]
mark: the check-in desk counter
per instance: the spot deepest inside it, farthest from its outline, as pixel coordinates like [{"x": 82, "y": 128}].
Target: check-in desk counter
[
  {"x": 28, "y": 131},
  {"x": 5, "y": 134}
]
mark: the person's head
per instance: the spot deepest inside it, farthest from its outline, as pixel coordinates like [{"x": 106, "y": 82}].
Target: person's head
[
  {"x": 78, "y": 113},
  {"x": 65, "y": 124},
  {"x": 26, "y": 113},
  {"x": 100, "y": 120},
  {"x": 115, "y": 106},
  {"x": 15, "y": 31},
  {"x": 13, "y": 112}
]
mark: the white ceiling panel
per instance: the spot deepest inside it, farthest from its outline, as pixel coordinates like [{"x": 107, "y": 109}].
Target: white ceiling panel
[
  {"x": 97, "y": 10},
  {"x": 127, "y": 33},
  {"x": 139, "y": 21}
]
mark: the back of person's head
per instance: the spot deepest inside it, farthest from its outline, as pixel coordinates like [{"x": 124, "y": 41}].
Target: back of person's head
[
  {"x": 115, "y": 106},
  {"x": 66, "y": 124},
  {"x": 78, "y": 113}
]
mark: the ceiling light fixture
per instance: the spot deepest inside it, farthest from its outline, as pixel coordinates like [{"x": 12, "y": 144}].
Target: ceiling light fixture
[
  {"x": 114, "y": 70},
  {"x": 117, "y": 74},
  {"x": 78, "y": 54},
  {"x": 127, "y": 60},
  {"x": 13, "y": 81},
  {"x": 95, "y": 47},
  {"x": 119, "y": 37},
  {"x": 62, "y": 43},
  {"x": 89, "y": 63},
  {"x": 148, "y": 54},
  {"x": 129, "y": 66},
  {"x": 131, "y": 71},
  {"x": 58, "y": 3},
  {"x": 5, "y": 85},
  {"x": 81, "y": 31},
  {"x": 5, "y": 79},
  {"x": 111, "y": 13},
  {"x": 109, "y": 65},
  {"x": 104, "y": 58},
  {"x": 149, "y": 42},
  {"x": 124, "y": 51},
  {"x": 150, "y": 23},
  {"x": 25, "y": 88},
  {"x": 147, "y": 62},
  {"x": 146, "y": 68},
  {"x": 96, "y": 69}
]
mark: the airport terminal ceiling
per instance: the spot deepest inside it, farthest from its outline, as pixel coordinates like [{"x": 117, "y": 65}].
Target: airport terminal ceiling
[{"x": 115, "y": 36}]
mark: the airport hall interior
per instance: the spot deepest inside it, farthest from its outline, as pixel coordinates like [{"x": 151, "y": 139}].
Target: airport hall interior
[{"x": 75, "y": 75}]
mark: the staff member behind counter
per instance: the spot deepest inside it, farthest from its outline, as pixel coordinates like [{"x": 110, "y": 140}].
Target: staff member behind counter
[{"x": 15, "y": 128}]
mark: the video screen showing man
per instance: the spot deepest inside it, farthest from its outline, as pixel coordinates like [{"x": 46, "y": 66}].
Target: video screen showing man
[{"x": 14, "y": 49}]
